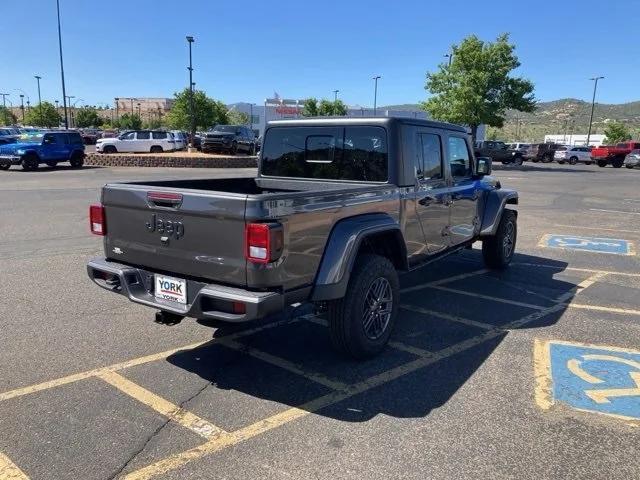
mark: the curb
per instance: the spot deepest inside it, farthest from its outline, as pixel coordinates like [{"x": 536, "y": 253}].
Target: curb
[{"x": 132, "y": 160}]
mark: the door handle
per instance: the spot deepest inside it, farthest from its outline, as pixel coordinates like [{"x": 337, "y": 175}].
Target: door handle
[{"x": 426, "y": 201}]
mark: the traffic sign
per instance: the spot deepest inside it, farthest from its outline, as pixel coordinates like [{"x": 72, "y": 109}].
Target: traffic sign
[
  {"x": 589, "y": 244},
  {"x": 589, "y": 378}
]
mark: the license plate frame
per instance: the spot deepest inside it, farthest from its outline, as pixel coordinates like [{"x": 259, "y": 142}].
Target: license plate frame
[{"x": 171, "y": 289}]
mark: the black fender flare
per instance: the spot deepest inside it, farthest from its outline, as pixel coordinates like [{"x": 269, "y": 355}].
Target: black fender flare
[
  {"x": 341, "y": 251},
  {"x": 494, "y": 204}
]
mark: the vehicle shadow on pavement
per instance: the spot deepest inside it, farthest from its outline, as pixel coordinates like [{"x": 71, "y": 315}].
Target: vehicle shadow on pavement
[
  {"x": 46, "y": 169},
  {"x": 293, "y": 363}
]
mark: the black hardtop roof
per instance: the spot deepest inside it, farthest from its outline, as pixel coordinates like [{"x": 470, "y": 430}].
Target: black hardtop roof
[{"x": 377, "y": 121}]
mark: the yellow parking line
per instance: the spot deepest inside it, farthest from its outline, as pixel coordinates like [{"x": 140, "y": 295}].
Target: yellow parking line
[
  {"x": 581, "y": 286},
  {"x": 489, "y": 297},
  {"x": 284, "y": 364},
  {"x": 127, "y": 364},
  {"x": 175, "y": 461},
  {"x": 442, "y": 281},
  {"x": 541, "y": 369},
  {"x": 164, "y": 407},
  {"x": 451, "y": 318},
  {"x": 9, "y": 470},
  {"x": 599, "y": 308}
]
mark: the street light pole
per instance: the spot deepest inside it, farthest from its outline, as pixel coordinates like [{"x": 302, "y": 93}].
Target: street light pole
[
  {"x": 22, "y": 106},
  {"x": 38, "y": 77},
  {"x": 190, "y": 40},
  {"x": 593, "y": 104},
  {"x": 67, "y": 98},
  {"x": 4, "y": 99},
  {"x": 64, "y": 92},
  {"x": 375, "y": 96},
  {"x": 335, "y": 95}
]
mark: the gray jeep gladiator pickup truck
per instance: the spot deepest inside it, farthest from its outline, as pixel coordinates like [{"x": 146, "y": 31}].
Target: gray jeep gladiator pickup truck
[{"x": 338, "y": 208}]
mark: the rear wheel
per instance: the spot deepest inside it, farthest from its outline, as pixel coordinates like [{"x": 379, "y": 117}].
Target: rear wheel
[
  {"x": 234, "y": 148},
  {"x": 547, "y": 158},
  {"x": 156, "y": 149},
  {"x": 561, "y": 162},
  {"x": 602, "y": 163},
  {"x": 498, "y": 249},
  {"x": 30, "y": 162},
  {"x": 361, "y": 322},
  {"x": 617, "y": 162},
  {"x": 588, "y": 163},
  {"x": 628, "y": 166},
  {"x": 77, "y": 160},
  {"x": 573, "y": 160},
  {"x": 535, "y": 160}
]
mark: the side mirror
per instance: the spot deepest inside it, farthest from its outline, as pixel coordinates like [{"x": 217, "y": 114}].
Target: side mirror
[{"x": 483, "y": 166}]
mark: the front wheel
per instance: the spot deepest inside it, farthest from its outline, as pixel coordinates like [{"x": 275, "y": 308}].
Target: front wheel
[
  {"x": 361, "y": 322},
  {"x": 5, "y": 166},
  {"x": 628, "y": 166},
  {"x": 156, "y": 149},
  {"x": 617, "y": 162},
  {"x": 573, "y": 160},
  {"x": 30, "y": 162},
  {"x": 498, "y": 249},
  {"x": 517, "y": 160},
  {"x": 547, "y": 159}
]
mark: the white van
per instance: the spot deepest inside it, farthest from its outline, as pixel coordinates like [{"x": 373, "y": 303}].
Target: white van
[{"x": 138, "y": 141}]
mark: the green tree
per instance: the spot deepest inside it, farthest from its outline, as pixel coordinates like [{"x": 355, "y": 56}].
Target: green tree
[
  {"x": 88, "y": 117},
  {"x": 478, "y": 88},
  {"x": 616, "y": 132},
  {"x": 130, "y": 121},
  {"x": 7, "y": 117},
  {"x": 323, "y": 108},
  {"x": 153, "y": 124},
  {"x": 43, "y": 115},
  {"x": 237, "y": 118},
  {"x": 208, "y": 112}
]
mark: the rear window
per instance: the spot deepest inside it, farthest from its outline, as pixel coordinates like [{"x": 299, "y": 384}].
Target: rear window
[{"x": 350, "y": 153}]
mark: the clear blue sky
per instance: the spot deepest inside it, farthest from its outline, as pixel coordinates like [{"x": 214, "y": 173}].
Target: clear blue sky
[{"x": 246, "y": 50}]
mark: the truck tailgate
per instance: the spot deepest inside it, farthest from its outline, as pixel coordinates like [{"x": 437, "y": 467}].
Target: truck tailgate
[{"x": 185, "y": 232}]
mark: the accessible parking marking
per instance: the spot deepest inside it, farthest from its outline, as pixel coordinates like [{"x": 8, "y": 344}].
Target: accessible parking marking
[
  {"x": 589, "y": 378},
  {"x": 613, "y": 246}
]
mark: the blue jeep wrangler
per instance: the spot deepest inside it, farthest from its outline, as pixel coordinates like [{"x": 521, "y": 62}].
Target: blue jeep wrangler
[{"x": 43, "y": 147}]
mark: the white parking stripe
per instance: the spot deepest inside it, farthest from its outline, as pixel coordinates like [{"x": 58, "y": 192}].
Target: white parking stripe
[{"x": 613, "y": 211}]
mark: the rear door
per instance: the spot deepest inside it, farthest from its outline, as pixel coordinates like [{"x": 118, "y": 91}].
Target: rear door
[
  {"x": 463, "y": 189},
  {"x": 142, "y": 142},
  {"x": 433, "y": 198},
  {"x": 186, "y": 233}
]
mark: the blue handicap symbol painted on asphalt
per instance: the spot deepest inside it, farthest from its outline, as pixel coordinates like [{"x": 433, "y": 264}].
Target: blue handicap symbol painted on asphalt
[
  {"x": 589, "y": 244},
  {"x": 596, "y": 379}
]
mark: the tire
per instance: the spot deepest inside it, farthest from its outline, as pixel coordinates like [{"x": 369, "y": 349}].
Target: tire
[
  {"x": 5, "y": 166},
  {"x": 30, "y": 162},
  {"x": 535, "y": 160},
  {"x": 547, "y": 159},
  {"x": 602, "y": 163},
  {"x": 561, "y": 162},
  {"x": 518, "y": 160},
  {"x": 628, "y": 166},
  {"x": 347, "y": 316},
  {"x": 505, "y": 162},
  {"x": 498, "y": 249},
  {"x": 588, "y": 163},
  {"x": 573, "y": 160},
  {"x": 110, "y": 149},
  {"x": 156, "y": 149},
  {"x": 77, "y": 160},
  {"x": 617, "y": 162},
  {"x": 252, "y": 150}
]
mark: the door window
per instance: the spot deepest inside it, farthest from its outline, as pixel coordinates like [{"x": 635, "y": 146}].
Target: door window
[
  {"x": 129, "y": 136},
  {"x": 158, "y": 135},
  {"x": 459, "y": 158},
  {"x": 146, "y": 135},
  {"x": 429, "y": 157}
]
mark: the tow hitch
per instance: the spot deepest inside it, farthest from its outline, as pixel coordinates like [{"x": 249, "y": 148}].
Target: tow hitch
[{"x": 167, "y": 318}]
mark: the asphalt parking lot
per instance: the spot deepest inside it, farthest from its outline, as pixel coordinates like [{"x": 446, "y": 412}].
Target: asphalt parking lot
[{"x": 529, "y": 373}]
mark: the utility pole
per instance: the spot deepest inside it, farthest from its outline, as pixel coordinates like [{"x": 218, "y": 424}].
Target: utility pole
[
  {"x": 192, "y": 135},
  {"x": 593, "y": 104},
  {"x": 38, "y": 77},
  {"x": 335, "y": 95},
  {"x": 375, "y": 95},
  {"x": 64, "y": 92}
]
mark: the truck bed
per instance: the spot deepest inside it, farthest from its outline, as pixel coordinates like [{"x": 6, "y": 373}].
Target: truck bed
[{"x": 195, "y": 228}]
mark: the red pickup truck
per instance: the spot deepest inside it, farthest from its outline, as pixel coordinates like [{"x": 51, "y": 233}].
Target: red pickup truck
[{"x": 613, "y": 154}]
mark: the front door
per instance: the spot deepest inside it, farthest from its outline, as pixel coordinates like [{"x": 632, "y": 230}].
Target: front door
[
  {"x": 432, "y": 194},
  {"x": 464, "y": 191}
]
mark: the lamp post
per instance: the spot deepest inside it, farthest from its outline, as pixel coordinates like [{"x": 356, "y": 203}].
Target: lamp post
[
  {"x": 67, "y": 98},
  {"x": 38, "y": 77},
  {"x": 64, "y": 92},
  {"x": 375, "y": 95},
  {"x": 251, "y": 115},
  {"x": 139, "y": 115},
  {"x": 335, "y": 95},
  {"x": 449, "y": 56},
  {"x": 593, "y": 104},
  {"x": 190, "y": 41},
  {"x": 22, "y": 106},
  {"x": 4, "y": 99}
]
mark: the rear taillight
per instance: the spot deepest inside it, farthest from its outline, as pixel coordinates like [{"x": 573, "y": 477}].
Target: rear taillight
[
  {"x": 263, "y": 242},
  {"x": 97, "y": 220}
]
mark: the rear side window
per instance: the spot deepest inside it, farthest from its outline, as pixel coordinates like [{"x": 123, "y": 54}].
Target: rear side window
[
  {"x": 459, "y": 159},
  {"x": 74, "y": 138},
  {"x": 143, "y": 135},
  {"x": 351, "y": 153},
  {"x": 158, "y": 135},
  {"x": 429, "y": 156}
]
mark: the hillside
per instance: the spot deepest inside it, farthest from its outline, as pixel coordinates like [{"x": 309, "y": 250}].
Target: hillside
[{"x": 568, "y": 114}]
